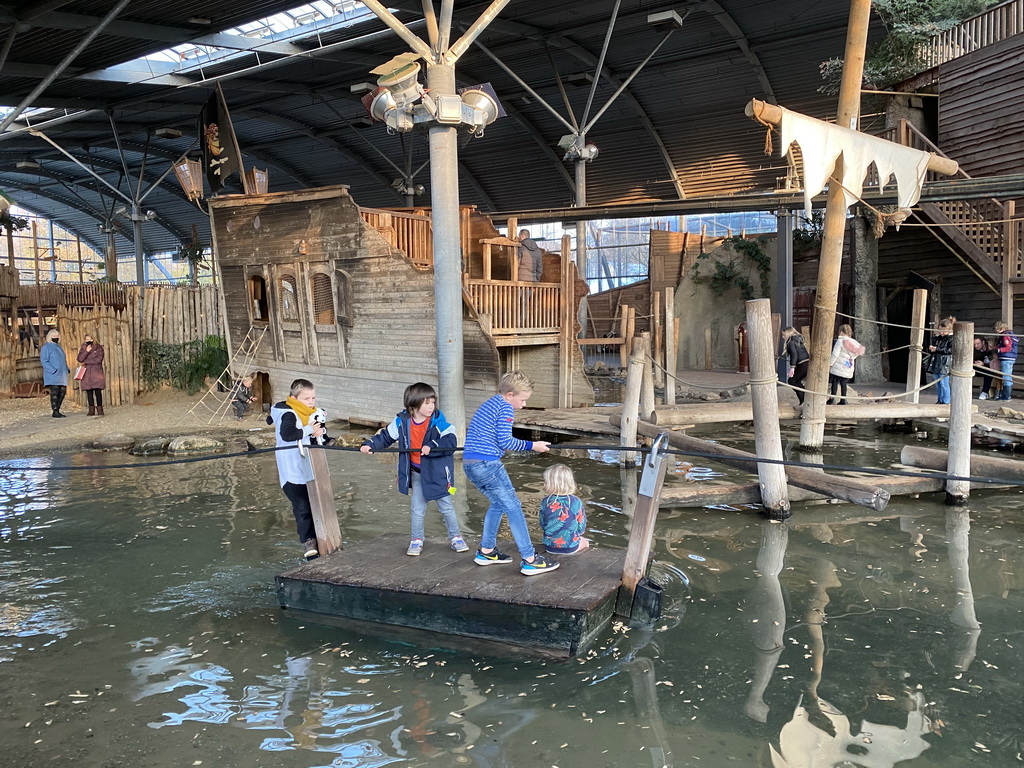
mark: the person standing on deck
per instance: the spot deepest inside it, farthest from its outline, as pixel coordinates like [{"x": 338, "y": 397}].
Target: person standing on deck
[
  {"x": 798, "y": 359},
  {"x": 55, "y": 371},
  {"x": 841, "y": 363},
  {"x": 488, "y": 437},
  {"x": 297, "y": 421},
  {"x": 531, "y": 259},
  {"x": 941, "y": 360},
  {"x": 1007, "y": 350}
]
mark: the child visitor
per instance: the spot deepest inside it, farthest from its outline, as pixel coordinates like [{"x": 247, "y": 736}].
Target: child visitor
[{"x": 562, "y": 515}]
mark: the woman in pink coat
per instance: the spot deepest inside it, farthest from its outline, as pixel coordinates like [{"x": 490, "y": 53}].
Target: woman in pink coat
[{"x": 93, "y": 381}]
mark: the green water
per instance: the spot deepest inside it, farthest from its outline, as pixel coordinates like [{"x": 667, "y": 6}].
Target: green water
[{"x": 139, "y": 627}]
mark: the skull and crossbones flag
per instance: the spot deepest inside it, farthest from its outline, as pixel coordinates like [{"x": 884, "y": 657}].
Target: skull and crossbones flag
[{"x": 221, "y": 156}]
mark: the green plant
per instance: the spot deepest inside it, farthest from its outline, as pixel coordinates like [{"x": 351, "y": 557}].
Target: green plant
[
  {"x": 908, "y": 24},
  {"x": 808, "y": 236},
  {"x": 194, "y": 252},
  {"x": 724, "y": 276},
  {"x": 185, "y": 366}
]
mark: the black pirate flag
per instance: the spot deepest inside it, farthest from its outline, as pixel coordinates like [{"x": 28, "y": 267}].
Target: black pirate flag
[{"x": 221, "y": 157}]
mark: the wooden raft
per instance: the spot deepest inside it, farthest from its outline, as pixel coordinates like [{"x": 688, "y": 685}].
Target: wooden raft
[{"x": 373, "y": 586}]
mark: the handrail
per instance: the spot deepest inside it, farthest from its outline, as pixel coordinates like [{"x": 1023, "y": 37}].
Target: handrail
[{"x": 986, "y": 28}]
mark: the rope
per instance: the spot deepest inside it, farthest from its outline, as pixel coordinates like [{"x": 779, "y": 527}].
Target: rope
[
  {"x": 568, "y": 447},
  {"x": 768, "y": 146},
  {"x": 868, "y": 398},
  {"x": 672, "y": 376}
]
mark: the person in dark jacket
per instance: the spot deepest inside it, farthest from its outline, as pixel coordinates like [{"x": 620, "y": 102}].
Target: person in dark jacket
[
  {"x": 1006, "y": 348},
  {"x": 531, "y": 259},
  {"x": 984, "y": 357},
  {"x": 93, "y": 381},
  {"x": 426, "y": 469},
  {"x": 799, "y": 360},
  {"x": 55, "y": 371},
  {"x": 941, "y": 360}
]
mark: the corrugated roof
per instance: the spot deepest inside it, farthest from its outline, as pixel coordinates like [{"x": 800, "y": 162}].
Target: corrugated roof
[{"x": 682, "y": 116}]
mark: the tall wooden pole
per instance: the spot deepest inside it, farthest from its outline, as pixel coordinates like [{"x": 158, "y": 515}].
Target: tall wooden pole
[
  {"x": 671, "y": 340},
  {"x": 961, "y": 383},
  {"x": 647, "y": 384},
  {"x": 765, "y": 403},
  {"x": 631, "y": 401},
  {"x": 917, "y": 321},
  {"x": 812, "y": 426}
]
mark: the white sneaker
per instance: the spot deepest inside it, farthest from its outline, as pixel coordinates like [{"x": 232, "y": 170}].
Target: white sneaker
[{"x": 983, "y": 396}]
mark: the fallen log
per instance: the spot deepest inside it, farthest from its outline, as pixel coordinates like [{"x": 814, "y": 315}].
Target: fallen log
[
  {"x": 705, "y": 494},
  {"x": 982, "y": 466},
  {"x": 834, "y": 486},
  {"x": 713, "y": 413}
]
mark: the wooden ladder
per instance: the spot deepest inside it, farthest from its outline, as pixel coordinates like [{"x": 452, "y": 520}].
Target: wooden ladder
[{"x": 217, "y": 399}]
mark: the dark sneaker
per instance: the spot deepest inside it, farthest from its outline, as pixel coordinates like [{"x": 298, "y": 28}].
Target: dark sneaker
[
  {"x": 415, "y": 548},
  {"x": 311, "y": 550},
  {"x": 494, "y": 557},
  {"x": 537, "y": 567},
  {"x": 459, "y": 544}
]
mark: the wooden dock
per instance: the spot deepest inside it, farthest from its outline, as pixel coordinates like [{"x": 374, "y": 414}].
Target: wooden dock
[{"x": 446, "y": 599}]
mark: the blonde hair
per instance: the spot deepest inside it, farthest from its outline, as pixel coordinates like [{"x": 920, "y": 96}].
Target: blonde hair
[
  {"x": 845, "y": 330},
  {"x": 1002, "y": 325},
  {"x": 299, "y": 386},
  {"x": 51, "y": 333},
  {"x": 789, "y": 332},
  {"x": 514, "y": 382},
  {"x": 559, "y": 480}
]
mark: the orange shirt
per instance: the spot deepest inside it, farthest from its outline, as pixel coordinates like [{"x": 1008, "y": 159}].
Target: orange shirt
[{"x": 416, "y": 434}]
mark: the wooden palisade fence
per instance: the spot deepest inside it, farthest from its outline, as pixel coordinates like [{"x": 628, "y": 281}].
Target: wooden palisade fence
[{"x": 173, "y": 315}]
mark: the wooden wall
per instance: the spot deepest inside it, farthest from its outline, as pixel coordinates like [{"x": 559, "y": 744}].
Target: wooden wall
[
  {"x": 115, "y": 329},
  {"x": 384, "y": 337},
  {"x": 960, "y": 292},
  {"x": 981, "y": 124}
]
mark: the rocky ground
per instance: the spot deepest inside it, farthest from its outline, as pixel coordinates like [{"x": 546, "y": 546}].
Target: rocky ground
[{"x": 28, "y": 429}]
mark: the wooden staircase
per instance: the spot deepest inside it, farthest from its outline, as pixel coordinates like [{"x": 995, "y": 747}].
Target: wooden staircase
[{"x": 987, "y": 233}]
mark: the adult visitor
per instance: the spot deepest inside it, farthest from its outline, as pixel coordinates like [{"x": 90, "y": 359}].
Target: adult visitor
[
  {"x": 92, "y": 380},
  {"x": 55, "y": 371}
]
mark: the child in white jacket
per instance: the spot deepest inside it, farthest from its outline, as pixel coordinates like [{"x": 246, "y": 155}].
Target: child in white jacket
[{"x": 841, "y": 364}]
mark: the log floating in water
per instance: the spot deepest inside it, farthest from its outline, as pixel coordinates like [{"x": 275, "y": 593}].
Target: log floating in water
[
  {"x": 713, "y": 413},
  {"x": 845, "y": 488},
  {"x": 706, "y": 494},
  {"x": 982, "y": 466}
]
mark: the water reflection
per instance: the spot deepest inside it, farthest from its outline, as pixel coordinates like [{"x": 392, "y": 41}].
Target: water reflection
[{"x": 842, "y": 635}]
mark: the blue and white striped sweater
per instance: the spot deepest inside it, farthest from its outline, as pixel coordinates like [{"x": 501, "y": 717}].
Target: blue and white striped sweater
[{"x": 490, "y": 432}]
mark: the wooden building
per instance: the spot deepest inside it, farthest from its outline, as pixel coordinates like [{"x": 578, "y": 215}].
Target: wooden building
[{"x": 346, "y": 295}]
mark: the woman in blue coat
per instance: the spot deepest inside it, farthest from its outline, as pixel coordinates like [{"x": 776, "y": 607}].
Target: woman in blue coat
[{"x": 55, "y": 371}]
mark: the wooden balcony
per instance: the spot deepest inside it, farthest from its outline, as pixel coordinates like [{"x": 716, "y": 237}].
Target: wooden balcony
[
  {"x": 986, "y": 28},
  {"x": 517, "y": 313}
]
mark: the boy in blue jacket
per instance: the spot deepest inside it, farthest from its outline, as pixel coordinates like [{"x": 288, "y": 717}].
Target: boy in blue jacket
[{"x": 426, "y": 470}]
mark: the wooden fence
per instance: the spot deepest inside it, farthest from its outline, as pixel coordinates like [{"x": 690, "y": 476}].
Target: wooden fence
[
  {"x": 48, "y": 295},
  {"x": 997, "y": 23},
  {"x": 173, "y": 315},
  {"x": 113, "y": 329},
  {"x": 517, "y": 308},
  {"x": 178, "y": 315},
  {"x": 410, "y": 233}
]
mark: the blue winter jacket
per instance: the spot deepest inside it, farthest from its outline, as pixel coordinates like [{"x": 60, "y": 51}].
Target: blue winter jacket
[
  {"x": 437, "y": 469},
  {"x": 55, "y": 365}
]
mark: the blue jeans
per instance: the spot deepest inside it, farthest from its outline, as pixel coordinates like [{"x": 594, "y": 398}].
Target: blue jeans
[
  {"x": 942, "y": 389},
  {"x": 1006, "y": 368},
  {"x": 492, "y": 481},
  {"x": 418, "y": 506}
]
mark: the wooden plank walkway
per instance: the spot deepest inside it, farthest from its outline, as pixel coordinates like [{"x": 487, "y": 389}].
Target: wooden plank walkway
[{"x": 459, "y": 603}]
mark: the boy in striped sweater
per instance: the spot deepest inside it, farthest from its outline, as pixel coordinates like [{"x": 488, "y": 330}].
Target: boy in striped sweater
[{"x": 488, "y": 437}]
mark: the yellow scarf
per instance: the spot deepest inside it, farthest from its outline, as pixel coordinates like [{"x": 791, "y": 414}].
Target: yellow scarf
[{"x": 302, "y": 410}]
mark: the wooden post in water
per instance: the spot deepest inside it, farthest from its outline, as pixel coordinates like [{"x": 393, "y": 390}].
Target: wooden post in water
[
  {"x": 631, "y": 402},
  {"x": 671, "y": 340},
  {"x": 961, "y": 375},
  {"x": 657, "y": 336},
  {"x": 917, "y": 320},
  {"x": 321, "y": 500},
  {"x": 764, "y": 380},
  {"x": 638, "y": 549},
  {"x": 624, "y": 333},
  {"x": 647, "y": 389}
]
